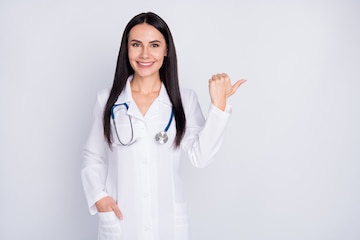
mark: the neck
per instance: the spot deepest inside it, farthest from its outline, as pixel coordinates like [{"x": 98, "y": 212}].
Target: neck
[{"x": 145, "y": 85}]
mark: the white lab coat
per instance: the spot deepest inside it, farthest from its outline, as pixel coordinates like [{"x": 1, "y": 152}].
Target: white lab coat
[{"x": 143, "y": 178}]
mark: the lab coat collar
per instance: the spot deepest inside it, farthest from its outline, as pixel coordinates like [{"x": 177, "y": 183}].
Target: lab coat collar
[
  {"x": 126, "y": 97},
  {"x": 163, "y": 95}
]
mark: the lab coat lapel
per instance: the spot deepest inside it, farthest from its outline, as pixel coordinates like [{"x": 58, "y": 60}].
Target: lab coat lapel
[
  {"x": 133, "y": 111},
  {"x": 126, "y": 97},
  {"x": 156, "y": 107},
  {"x": 163, "y": 96}
]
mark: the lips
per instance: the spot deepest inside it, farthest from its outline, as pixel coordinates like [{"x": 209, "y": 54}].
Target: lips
[{"x": 145, "y": 64}]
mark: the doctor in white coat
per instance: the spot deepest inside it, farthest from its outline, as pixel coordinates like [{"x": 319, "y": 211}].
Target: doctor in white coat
[{"x": 130, "y": 170}]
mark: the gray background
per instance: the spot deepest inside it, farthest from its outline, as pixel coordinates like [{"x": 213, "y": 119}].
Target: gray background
[{"x": 289, "y": 168}]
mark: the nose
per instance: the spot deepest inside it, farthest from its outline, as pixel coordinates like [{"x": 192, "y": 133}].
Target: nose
[{"x": 144, "y": 52}]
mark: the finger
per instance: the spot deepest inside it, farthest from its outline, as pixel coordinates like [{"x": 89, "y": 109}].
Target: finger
[
  {"x": 237, "y": 85},
  {"x": 214, "y": 77},
  {"x": 219, "y": 76},
  {"x": 224, "y": 75},
  {"x": 118, "y": 212}
]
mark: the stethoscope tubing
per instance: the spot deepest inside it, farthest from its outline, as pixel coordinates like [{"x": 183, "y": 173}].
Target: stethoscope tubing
[
  {"x": 160, "y": 137},
  {"x": 131, "y": 125}
]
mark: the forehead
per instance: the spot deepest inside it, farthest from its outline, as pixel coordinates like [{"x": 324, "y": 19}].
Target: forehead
[{"x": 145, "y": 32}]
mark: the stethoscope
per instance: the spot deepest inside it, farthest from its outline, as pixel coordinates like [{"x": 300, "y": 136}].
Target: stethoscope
[{"x": 160, "y": 137}]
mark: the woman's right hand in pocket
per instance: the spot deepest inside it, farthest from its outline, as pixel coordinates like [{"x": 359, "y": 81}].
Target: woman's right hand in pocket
[{"x": 107, "y": 204}]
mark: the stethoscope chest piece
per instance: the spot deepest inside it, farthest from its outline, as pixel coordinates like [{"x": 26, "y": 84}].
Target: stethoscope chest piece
[{"x": 161, "y": 137}]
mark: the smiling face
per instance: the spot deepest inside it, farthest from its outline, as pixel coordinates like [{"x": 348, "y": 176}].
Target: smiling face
[{"x": 146, "y": 50}]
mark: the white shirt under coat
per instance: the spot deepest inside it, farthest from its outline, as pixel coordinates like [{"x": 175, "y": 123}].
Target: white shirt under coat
[{"x": 143, "y": 178}]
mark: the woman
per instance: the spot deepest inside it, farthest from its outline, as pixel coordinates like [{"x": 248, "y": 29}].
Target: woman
[{"x": 130, "y": 171}]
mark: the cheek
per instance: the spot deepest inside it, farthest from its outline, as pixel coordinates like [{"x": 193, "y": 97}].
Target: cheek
[
  {"x": 160, "y": 55},
  {"x": 131, "y": 55},
  {"x": 160, "y": 58},
  {"x": 132, "y": 58}
]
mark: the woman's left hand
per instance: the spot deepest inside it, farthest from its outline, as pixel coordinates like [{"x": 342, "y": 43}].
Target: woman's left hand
[{"x": 220, "y": 89}]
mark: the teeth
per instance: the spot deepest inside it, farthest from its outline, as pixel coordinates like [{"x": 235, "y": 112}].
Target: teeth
[{"x": 145, "y": 64}]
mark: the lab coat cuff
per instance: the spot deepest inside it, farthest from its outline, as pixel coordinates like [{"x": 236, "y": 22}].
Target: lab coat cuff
[
  {"x": 92, "y": 206},
  {"x": 226, "y": 113}
]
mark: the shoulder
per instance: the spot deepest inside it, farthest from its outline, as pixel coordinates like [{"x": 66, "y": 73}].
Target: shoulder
[
  {"x": 187, "y": 93},
  {"x": 188, "y": 97},
  {"x": 102, "y": 96}
]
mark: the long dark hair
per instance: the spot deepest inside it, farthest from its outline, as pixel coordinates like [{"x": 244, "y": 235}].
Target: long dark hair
[{"x": 168, "y": 74}]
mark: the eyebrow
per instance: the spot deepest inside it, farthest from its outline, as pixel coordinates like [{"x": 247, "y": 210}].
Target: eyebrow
[{"x": 154, "y": 41}]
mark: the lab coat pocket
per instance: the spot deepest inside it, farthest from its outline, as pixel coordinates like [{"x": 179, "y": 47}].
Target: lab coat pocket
[
  {"x": 181, "y": 221},
  {"x": 109, "y": 226}
]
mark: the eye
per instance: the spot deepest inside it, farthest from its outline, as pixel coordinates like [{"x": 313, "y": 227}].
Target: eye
[
  {"x": 154, "y": 45},
  {"x": 135, "y": 44}
]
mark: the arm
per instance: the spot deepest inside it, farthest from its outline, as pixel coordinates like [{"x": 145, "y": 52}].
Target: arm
[
  {"x": 94, "y": 168},
  {"x": 203, "y": 138}
]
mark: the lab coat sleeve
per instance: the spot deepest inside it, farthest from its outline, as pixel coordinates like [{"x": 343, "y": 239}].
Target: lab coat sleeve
[
  {"x": 203, "y": 137},
  {"x": 94, "y": 167}
]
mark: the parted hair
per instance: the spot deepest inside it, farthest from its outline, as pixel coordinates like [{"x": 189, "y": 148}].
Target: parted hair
[{"x": 168, "y": 74}]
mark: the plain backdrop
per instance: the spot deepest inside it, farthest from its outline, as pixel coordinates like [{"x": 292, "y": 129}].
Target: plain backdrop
[{"x": 289, "y": 168}]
